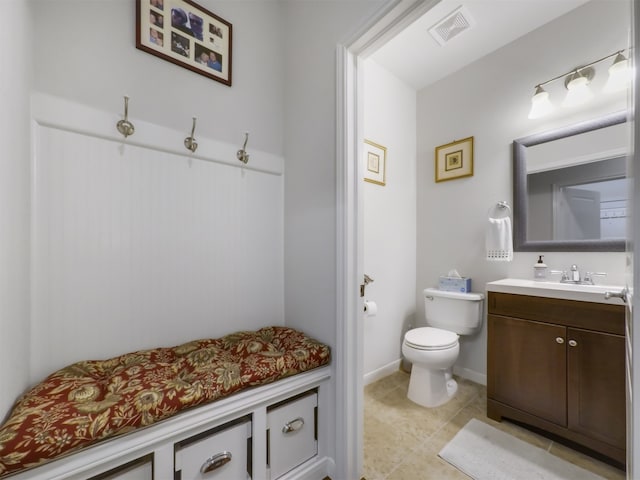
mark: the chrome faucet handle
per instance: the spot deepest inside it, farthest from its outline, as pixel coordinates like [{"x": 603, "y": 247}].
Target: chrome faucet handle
[{"x": 588, "y": 277}]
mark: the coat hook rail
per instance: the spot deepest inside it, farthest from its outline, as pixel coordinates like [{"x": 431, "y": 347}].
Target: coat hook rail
[
  {"x": 242, "y": 154},
  {"x": 124, "y": 126},
  {"x": 190, "y": 141}
]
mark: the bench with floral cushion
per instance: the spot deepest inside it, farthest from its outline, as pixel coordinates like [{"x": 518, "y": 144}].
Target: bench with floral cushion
[{"x": 94, "y": 400}]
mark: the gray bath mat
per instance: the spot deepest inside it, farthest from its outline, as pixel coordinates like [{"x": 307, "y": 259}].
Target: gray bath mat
[{"x": 486, "y": 453}]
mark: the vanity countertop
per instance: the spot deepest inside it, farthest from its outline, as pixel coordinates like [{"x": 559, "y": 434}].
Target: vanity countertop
[{"x": 567, "y": 291}]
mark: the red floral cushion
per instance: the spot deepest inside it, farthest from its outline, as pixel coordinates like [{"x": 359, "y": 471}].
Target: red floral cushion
[{"x": 94, "y": 400}]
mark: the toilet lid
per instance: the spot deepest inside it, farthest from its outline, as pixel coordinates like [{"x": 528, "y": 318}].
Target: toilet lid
[{"x": 429, "y": 338}]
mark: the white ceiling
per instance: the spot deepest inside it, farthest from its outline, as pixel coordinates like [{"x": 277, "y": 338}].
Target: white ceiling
[{"x": 418, "y": 59}]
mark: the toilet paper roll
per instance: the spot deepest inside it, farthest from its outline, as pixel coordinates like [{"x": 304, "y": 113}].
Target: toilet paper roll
[{"x": 370, "y": 308}]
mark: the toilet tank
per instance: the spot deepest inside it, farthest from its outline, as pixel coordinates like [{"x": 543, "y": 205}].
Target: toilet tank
[{"x": 454, "y": 311}]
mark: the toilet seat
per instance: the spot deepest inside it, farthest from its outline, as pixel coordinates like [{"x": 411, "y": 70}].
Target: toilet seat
[{"x": 430, "y": 338}]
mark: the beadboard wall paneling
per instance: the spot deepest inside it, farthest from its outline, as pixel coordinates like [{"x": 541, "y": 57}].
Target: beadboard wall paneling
[{"x": 135, "y": 247}]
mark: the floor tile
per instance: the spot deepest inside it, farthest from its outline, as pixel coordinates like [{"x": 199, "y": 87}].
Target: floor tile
[
  {"x": 402, "y": 439},
  {"x": 587, "y": 462},
  {"x": 384, "y": 447},
  {"x": 426, "y": 467}
]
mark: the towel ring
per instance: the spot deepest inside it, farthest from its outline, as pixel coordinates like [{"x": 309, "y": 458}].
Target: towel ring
[{"x": 501, "y": 207}]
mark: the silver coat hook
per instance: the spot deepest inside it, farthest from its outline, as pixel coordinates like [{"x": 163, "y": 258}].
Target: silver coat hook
[
  {"x": 124, "y": 126},
  {"x": 190, "y": 141},
  {"x": 242, "y": 154}
]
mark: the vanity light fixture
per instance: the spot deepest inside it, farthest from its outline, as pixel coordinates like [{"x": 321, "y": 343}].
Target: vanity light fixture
[
  {"x": 619, "y": 74},
  {"x": 540, "y": 103},
  {"x": 577, "y": 83}
]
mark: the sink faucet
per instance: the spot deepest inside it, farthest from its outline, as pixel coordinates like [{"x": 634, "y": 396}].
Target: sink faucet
[{"x": 573, "y": 276}]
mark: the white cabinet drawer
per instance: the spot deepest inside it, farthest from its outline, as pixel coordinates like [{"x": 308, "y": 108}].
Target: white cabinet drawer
[
  {"x": 140, "y": 469},
  {"x": 218, "y": 454},
  {"x": 292, "y": 435}
]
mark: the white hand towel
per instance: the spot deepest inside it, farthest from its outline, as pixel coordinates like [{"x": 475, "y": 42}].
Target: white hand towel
[{"x": 499, "y": 240}]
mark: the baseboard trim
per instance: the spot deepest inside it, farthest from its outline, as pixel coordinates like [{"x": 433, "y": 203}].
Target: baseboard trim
[
  {"x": 480, "y": 378},
  {"x": 390, "y": 368},
  {"x": 314, "y": 469},
  {"x": 381, "y": 372}
]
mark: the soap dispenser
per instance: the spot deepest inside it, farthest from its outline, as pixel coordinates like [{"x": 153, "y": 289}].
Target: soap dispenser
[{"x": 539, "y": 269}]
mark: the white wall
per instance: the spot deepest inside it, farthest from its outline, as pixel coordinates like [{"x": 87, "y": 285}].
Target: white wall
[
  {"x": 86, "y": 53},
  {"x": 284, "y": 93},
  {"x": 15, "y": 84},
  {"x": 135, "y": 247},
  {"x": 165, "y": 254},
  {"x": 389, "y": 219},
  {"x": 490, "y": 100},
  {"x": 313, "y": 30}
]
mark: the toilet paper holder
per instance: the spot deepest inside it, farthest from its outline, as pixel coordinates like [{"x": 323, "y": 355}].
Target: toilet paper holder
[
  {"x": 370, "y": 308},
  {"x": 367, "y": 281}
]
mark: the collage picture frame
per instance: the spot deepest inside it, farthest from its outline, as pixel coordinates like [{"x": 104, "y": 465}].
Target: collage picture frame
[{"x": 186, "y": 34}]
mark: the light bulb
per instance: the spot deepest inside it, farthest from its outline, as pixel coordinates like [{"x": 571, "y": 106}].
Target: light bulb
[
  {"x": 540, "y": 103},
  {"x": 618, "y": 75},
  {"x": 578, "y": 91}
]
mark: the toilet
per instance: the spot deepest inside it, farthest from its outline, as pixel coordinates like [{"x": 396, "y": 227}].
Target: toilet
[{"x": 434, "y": 349}]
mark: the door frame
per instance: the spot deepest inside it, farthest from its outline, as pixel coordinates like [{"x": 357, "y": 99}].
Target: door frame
[
  {"x": 395, "y": 17},
  {"x": 633, "y": 268}
]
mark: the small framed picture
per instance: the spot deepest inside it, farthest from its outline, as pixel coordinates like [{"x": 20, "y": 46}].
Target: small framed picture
[
  {"x": 184, "y": 33},
  {"x": 375, "y": 163},
  {"x": 454, "y": 160}
]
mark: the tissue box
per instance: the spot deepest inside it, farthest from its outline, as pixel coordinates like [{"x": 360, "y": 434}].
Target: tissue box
[{"x": 455, "y": 284}]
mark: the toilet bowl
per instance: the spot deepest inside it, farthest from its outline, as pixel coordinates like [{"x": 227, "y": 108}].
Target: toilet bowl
[{"x": 433, "y": 350}]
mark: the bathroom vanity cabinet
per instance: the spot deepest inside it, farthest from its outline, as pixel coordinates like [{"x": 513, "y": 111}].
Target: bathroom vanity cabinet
[{"x": 559, "y": 365}]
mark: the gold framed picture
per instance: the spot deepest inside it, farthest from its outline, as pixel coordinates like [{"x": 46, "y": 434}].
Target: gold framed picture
[
  {"x": 454, "y": 160},
  {"x": 375, "y": 163}
]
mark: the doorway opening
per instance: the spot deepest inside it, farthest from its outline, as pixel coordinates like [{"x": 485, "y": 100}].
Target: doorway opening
[{"x": 350, "y": 136}]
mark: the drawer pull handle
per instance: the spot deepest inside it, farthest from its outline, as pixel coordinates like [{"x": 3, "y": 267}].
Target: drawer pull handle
[
  {"x": 572, "y": 343},
  {"x": 293, "y": 426},
  {"x": 559, "y": 340},
  {"x": 215, "y": 462}
]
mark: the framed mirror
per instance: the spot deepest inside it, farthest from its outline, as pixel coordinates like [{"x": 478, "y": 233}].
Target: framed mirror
[{"x": 570, "y": 187}]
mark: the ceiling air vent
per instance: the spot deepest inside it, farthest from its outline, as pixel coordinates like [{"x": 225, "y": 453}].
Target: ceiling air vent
[{"x": 452, "y": 25}]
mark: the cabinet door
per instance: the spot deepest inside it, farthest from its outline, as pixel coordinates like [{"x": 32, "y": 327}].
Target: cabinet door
[
  {"x": 596, "y": 385},
  {"x": 527, "y": 366},
  {"x": 221, "y": 454},
  {"x": 140, "y": 469},
  {"x": 292, "y": 434}
]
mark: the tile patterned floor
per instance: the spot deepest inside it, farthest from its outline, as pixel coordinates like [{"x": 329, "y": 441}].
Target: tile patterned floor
[{"x": 402, "y": 439}]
